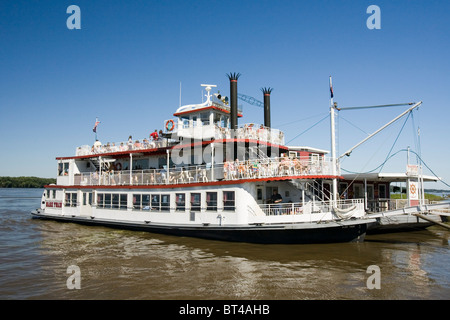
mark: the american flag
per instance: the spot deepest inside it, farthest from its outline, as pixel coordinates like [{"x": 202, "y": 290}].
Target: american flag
[
  {"x": 95, "y": 125},
  {"x": 331, "y": 88}
]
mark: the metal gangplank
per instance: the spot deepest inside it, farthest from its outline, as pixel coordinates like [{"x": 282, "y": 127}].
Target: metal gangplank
[{"x": 439, "y": 209}]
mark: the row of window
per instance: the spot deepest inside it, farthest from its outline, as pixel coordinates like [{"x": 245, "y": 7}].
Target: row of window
[
  {"x": 156, "y": 202},
  {"x": 161, "y": 202},
  {"x": 112, "y": 200}
]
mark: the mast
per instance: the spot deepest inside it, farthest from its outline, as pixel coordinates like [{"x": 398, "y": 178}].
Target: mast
[
  {"x": 333, "y": 144},
  {"x": 347, "y": 153}
]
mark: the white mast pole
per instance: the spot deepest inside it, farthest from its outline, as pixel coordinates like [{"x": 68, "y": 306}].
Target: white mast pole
[{"x": 333, "y": 145}]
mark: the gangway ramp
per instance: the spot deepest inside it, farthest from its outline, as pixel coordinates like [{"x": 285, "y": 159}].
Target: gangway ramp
[{"x": 442, "y": 207}]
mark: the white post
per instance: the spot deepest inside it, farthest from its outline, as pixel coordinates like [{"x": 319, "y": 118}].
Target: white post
[
  {"x": 333, "y": 145},
  {"x": 131, "y": 169},
  {"x": 212, "y": 161},
  {"x": 407, "y": 180},
  {"x": 365, "y": 194},
  {"x": 167, "y": 171}
]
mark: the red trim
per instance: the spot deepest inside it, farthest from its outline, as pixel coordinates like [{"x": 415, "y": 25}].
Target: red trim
[
  {"x": 120, "y": 153},
  {"x": 203, "y": 109},
  {"x": 197, "y": 184},
  {"x": 233, "y": 80}
]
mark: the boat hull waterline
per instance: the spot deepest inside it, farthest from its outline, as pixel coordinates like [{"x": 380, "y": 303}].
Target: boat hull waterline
[{"x": 286, "y": 233}]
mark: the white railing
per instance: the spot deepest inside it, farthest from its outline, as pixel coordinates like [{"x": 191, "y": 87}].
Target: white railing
[
  {"x": 206, "y": 129},
  {"x": 276, "y": 167},
  {"x": 296, "y": 208},
  {"x": 232, "y": 170},
  {"x": 385, "y": 204},
  {"x": 252, "y": 131},
  {"x": 247, "y": 131},
  {"x": 131, "y": 145}
]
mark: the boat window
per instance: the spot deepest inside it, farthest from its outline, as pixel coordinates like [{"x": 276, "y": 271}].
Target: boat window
[
  {"x": 146, "y": 201},
  {"x": 63, "y": 169},
  {"x": 382, "y": 191},
  {"x": 343, "y": 190},
  {"x": 228, "y": 200},
  {"x": 107, "y": 198},
  {"x": 70, "y": 199},
  {"x": 180, "y": 200},
  {"x": 123, "y": 201},
  {"x": 196, "y": 201},
  {"x": 155, "y": 201},
  {"x": 185, "y": 121},
  {"x": 141, "y": 201},
  {"x": 204, "y": 117},
  {"x": 115, "y": 201},
  {"x": 358, "y": 191},
  {"x": 165, "y": 202},
  {"x": 211, "y": 201},
  {"x": 100, "y": 200},
  {"x": 137, "y": 201}
]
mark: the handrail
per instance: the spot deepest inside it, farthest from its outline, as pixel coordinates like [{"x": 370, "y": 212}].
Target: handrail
[
  {"x": 231, "y": 170},
  {"x": 139, "y": 144},
  {"x": 296, "y": 208}
]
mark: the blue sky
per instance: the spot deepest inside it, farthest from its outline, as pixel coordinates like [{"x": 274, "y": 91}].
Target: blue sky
[{"x": 126, "y": 63}]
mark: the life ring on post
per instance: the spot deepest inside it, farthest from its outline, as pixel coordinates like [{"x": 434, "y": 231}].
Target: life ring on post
[
  {"x": 118, "y": 166},
  {"x": 170, "y": 125}
]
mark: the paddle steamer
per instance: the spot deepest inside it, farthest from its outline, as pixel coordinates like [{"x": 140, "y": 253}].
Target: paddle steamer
[{"x": 206, "y": 176}]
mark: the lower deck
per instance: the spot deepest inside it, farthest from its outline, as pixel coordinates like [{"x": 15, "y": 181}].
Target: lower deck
[{"x": 245, "y": 203}]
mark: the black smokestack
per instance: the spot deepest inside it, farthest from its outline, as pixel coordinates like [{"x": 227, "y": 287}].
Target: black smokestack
[
  {"x": 233, "y": 99},
  {"x": 266, "y": 92}
]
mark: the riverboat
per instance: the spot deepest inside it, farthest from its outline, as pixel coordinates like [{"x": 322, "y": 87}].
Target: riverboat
[{"x": 206, "y": 176}]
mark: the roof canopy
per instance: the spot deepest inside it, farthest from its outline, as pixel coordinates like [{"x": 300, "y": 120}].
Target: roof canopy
[{"x": 386, "y": 177}]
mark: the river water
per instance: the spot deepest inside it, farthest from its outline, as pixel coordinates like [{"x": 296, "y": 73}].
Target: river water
[{"x": 115, "y": 264}]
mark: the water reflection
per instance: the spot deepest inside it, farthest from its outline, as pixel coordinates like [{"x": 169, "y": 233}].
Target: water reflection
[{"x": 119, "y": 264}]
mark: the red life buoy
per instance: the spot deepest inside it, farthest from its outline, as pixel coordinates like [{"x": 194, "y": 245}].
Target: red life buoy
[{"x": 170, "y": 125}]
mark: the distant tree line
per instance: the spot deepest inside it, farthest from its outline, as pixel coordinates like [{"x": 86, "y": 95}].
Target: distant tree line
[{"x": 25, "y": 182}]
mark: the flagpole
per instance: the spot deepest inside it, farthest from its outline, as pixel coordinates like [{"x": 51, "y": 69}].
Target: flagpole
[
  {"x": 333, "y": 144},
  {"x": 95, "y": 127}
]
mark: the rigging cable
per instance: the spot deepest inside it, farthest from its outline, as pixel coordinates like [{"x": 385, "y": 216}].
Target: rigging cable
[
  {"x": 308, "y": 129},
  {"x": 402, "y": 150},
  {"x": 395, "y": 141},
  {"x": 291, "y": 122}
]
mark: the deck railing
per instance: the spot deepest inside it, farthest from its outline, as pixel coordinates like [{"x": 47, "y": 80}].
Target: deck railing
[
  {"x": 253, "y": 132},
  {"x": 142, "y": 144},
  {"x": 246, "y": 131},
  {"x": 296, "y": 208},
  {"x": 385, "y": 204},
  {"x": 232, "y": 170}
]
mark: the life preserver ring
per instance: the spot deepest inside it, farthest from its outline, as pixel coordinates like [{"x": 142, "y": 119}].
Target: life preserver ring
[
  {"x": 118, "y": 166},
  {"x": 170, "y": 125}
]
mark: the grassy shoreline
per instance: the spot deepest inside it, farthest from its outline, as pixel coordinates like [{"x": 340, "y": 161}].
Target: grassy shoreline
[{"x": 25, "y": 182}]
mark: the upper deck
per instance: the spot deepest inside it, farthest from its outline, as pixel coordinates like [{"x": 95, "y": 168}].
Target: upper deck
[
  {"x": 278, "y": 168},
  {"x": 194, "y": 148}
]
